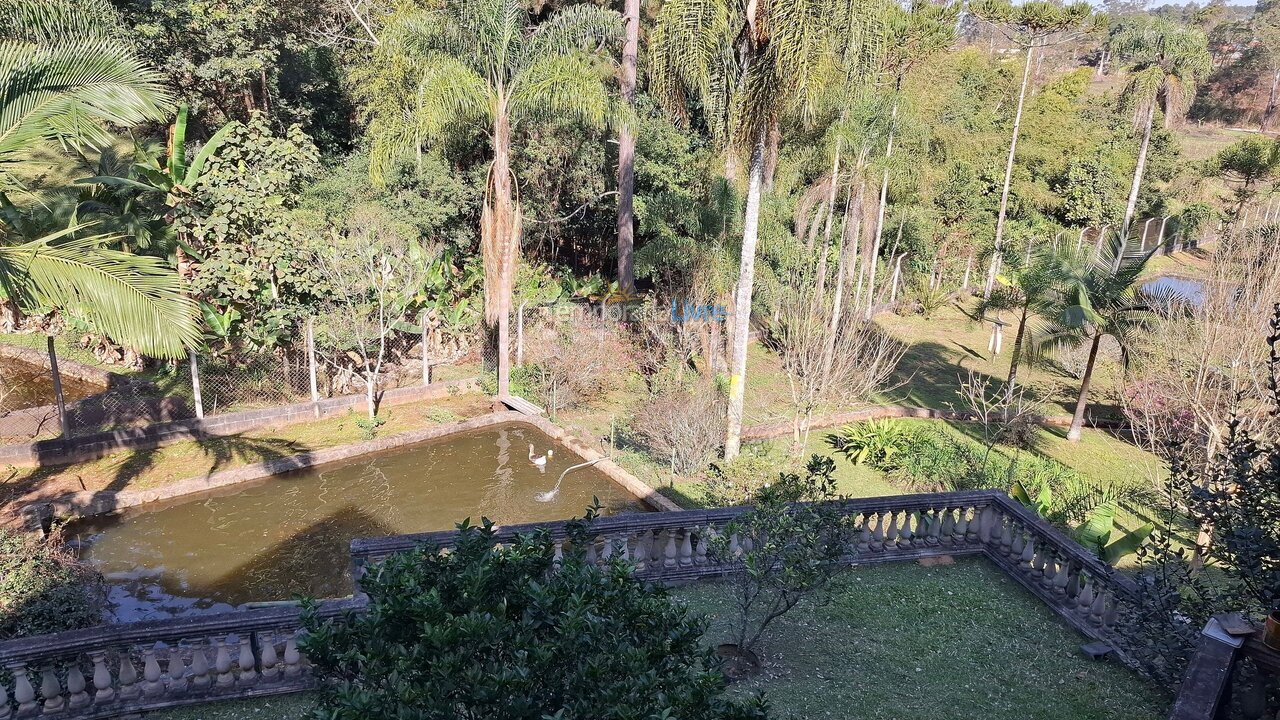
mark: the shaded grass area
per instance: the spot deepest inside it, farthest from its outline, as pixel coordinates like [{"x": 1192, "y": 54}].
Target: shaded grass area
[
  {"x": 284, "y": 707},
  {"x": 944, "y": 349},
  {"x": 900, "y": 640},
  {"x": 141, "y": 469},
  {"x": 895, "y": 641}
]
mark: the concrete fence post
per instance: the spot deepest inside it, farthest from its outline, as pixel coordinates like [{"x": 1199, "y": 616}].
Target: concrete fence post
[
  {"x": 63, "y": 421},
  {"x": 195, "y": 384},
  {"x": 311, "y": 365}
]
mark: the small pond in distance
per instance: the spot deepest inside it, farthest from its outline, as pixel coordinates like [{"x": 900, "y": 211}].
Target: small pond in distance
[
  {"x": 1184, "y": 289},
  {"x": 23, "y": 385},
  {"x": 290, "y": 534}
]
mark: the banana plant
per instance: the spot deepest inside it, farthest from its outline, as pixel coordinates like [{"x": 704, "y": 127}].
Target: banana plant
[
  {"x": 1098, "y": 532},
  {"x": 172, "y": 176}
]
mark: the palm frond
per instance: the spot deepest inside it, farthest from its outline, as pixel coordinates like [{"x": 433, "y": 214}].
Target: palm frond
[
  {"x": 134, "y": 300},
  {"x": 561, "y": 86}
]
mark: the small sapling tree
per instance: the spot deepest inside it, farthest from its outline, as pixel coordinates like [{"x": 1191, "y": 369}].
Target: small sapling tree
[{"x": 790, "y": 545}]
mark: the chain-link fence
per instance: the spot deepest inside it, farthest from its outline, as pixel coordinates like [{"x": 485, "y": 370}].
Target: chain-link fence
[{"x": 51, "y": 393}]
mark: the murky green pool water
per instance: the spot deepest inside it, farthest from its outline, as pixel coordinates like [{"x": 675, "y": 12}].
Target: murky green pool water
[
  {"x": 290, "y": 534},
  {"x": 23, "y": 385}
]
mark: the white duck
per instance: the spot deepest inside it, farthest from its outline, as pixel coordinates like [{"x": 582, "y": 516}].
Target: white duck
[{"x": 539, "y": 460}]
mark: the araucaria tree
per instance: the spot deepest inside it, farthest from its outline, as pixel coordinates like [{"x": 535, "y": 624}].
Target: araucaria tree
[
  {"x": 1030, "y": 26},
  {"x": 1167, "y": 60},
  {"x": 748, "y": 64},
  {"x": 444, "y": 69}
]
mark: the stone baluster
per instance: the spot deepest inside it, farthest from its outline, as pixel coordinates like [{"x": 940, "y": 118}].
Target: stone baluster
[
  {"x": 606, "y": 552},
  {"x": 686, "y": 547},
  {"x": 864, "y": 533},
  {"x": 735, "y": 547},
  {"x": 1004, "y": 532},
  {"x": 640, "y": 558},
  {"x": 1050, "y": 569},
  {"x": 891, "y": 532},
  {"x": 222, "y": 665},
  {"x": 51, "y": 689},
  {"x": 1027, "y": 558},
  {"x": 937, "y": 520},
  {"x": 77, "y": 697},
  {"x": 103, "y": 692},
  {"x": 201, "y": 677},
  {"x": 970, "y": 524},
  {"x": 1084, "y": 600},
  {"x": 877, "y": 533},
  {"x": 1073, "y": 582},
  {"x": 151, "y": 685},
  {"x": 622, "y": 543},
  {"x": 557, "y": 558},
  {"x": 248, "y": 668},
  {"x": 1017, "y": 543},
  {"x": 700, "y": 550},
  {"x": 6, "y": 711},
  {"x": 591, "y": 555},
  {"x": 176, "y": 670},
  {"x": 1098, "y": 608},
  {"x": 749, "y": 543},
  {"x": 23, "y": 692},
  {"x": 1037, "y": 562},
  {"x": 1062, "y": 578},
  {"x": 1111, "y": 611},
  {"x": 269, "y": 658},
  {"x": 292, "y": 658},
  {"x": 907, "y": 534},
  {"x": 128, "y": 677},
  {"x": 669, "y": 554}
]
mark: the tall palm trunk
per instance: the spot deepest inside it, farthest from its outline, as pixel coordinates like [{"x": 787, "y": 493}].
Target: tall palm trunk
[
  {"x": 884, "y": 195},
  {"x": 627, "y": 154},
  {"x": 850, "y": 240},
  {"x": 742, "y": 302},
  {"x": 1008, "y": 175},
  {"x": 503, "y": 231},
  {"x": 1077, "y": 419},
  {"x": 1138, "y": 171},
  {"x": 826, "y": 233}
]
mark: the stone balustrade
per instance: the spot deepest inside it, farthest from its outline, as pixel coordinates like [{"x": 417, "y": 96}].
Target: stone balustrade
[{"x": 116, "y": 670}]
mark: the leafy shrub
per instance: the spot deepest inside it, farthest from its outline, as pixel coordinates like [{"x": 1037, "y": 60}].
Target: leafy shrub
[
  {"x": 44, "y": 588},
  {"x": 795, "y": 552},
  {"x": 679, "y": 425},
  {"x": 738, "y": 481},
  {"x": 500, "y": 633},
  {"x": 874, "y": 442}
]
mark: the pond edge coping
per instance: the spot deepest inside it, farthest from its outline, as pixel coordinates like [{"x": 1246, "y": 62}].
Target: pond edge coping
[{"x": 93, "y": 503}]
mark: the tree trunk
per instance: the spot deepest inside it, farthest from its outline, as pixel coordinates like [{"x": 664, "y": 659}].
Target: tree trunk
[
  {"x": 1008, "y": 172},
  {"x": 1077, "y": 420},
  {"x": 627, "y": 154},
  {"x": 826, "y": 232},
  {"x": 1017, "y": 355},
  {"x": 742, "y": 303},
  {"x": 772, "y": 148},
  {"x": 846, "y": 254},
  {"x": 884, "y": 194},
  {"x": 1141, "y": 167},
  {"x": 503, "y": 243},
  {"x": 1273, "y": 100}
]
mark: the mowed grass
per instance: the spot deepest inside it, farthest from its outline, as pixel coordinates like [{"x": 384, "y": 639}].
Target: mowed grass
[
  {"x": 903, "y": 641},
  {"x": 894, "y": 641}
]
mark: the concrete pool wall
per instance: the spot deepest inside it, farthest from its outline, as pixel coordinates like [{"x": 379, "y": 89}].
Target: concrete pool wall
[{"x": 94, "y": 503}]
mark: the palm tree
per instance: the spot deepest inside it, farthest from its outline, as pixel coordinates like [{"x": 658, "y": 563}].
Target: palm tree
[
  {"x": 1167, "y": 61},
  {"x": 749, "y": 63},
  {"x": 1101, "y": 298},
  {"x": 484, "y": 61},
  {"x": 63, "y": 78},
  {"x": 1030, "y": 26},
  {"x": 1032, "y": 292},
  {"x": 627, "y": 152}
]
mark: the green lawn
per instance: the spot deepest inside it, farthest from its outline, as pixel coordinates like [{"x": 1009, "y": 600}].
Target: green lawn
[
  {"x": 896, "y": 641},
  {"x": 903, "y": 641}
]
